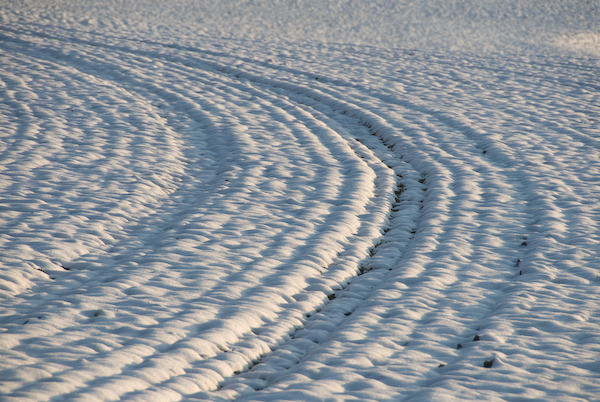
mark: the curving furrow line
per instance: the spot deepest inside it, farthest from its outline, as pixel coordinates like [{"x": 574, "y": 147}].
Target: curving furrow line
[
  {"x": 490, "y": 210},
  {"x": 426, "y": 269},
  {"x": 289, "y": 271},
  {"x": 475, "y": 182},
  {"x": 461, "y": 248}
]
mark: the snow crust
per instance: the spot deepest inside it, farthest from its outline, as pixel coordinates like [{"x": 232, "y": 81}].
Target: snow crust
[{"x": 260, "y": 201}]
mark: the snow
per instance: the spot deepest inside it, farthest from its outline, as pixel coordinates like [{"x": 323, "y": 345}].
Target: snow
[{"x": 303, "y": 200}]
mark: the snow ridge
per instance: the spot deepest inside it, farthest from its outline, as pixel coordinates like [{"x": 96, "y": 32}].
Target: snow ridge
[{"x": 229, "y": 220}]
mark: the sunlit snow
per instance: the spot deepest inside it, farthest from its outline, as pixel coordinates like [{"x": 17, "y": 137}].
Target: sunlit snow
[{"x": 299, "y": 200}]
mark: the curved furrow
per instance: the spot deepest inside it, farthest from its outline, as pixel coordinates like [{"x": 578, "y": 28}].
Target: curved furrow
[
  {"x": 497, "y": 252},
  {"x": 523, "y": 204},
  {"x": 345, "y": 264},
  {"x": 493, "y": 238},
  {"x": 303, "y": 99},
  {"x": 64, "y": 163},
  {"x": 423, "y": 263},
  {"x": 423, "y": 238},
  {"x": 189, "y": 333}
]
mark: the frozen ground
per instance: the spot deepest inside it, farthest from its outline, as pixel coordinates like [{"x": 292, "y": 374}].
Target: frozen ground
[{"x": 303, "y": 200}]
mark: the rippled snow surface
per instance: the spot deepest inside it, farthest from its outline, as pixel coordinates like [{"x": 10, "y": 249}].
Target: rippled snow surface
[{"x": 310, "y": 201}]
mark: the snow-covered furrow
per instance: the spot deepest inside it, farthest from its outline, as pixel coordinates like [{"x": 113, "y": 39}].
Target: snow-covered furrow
[
  {"x": 296, "y": 204},
  {"x": 489, "y": 218},
  {"x": 487, "y": 188},
  {"x": 426, "y": 241},
  {"x": 217, "y": 222}
]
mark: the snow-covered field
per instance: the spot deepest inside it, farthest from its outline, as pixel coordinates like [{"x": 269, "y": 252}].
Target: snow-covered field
[{"x": 299, "y": 200}]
